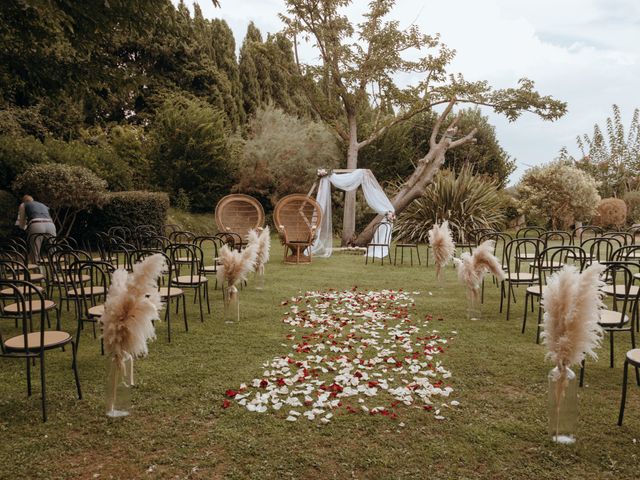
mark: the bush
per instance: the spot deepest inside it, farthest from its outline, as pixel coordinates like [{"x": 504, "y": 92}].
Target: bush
[
  {"x": 65, "y": 189},
  {"x": 558, "y": 193},
  {"x": 632, "y": 199},
  {"x": 612, "y": 212},
  {"x": 8, "y": 213},
  {"x": 283, "y": 154},
  {"x": 101, "y": 159},
  {"x": 127, "y": 209},
  {"x": 467, "y": 201},
  {"x": 191, "y": 151}
]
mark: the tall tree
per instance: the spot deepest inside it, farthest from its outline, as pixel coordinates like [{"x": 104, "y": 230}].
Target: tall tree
[
  {"x": 613, "y": 159},
  {"x": 358, "y": 68},
  {"x": 268, "y": 74},
  {"x": 249, "y": 70}
]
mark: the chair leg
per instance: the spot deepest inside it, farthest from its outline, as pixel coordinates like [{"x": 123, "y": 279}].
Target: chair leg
[
  {"x": 501, "y": 295},
  {"x": 526, "y": 308},
  {"x": 610, "y": 348},
  {"x": 184, "y": 313},
  {"x": 509, "y": 300},
  {"x": 418, "y": 255},
  {"x": 200, "y": 303},
  {"x": 623, "y": 400},
  {"x": 28, "y": 376},
  {"x": 77, "y": 344},
  {"x": 582, "y": 364},
  {"x": 206, "y": 296},
  {"x": 74, "y": 365},
  {"x": 167, "y": 318},
  {"x": 43, "y": 387}
]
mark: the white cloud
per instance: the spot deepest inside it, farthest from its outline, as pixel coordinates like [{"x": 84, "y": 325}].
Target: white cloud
[{"x": 585, "y": 52}]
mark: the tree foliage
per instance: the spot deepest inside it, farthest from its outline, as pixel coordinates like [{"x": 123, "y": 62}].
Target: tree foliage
[
  {"x": 558, "y": 192},
  {"x": 359, "y": 64},
  {"x": 392, "y": 156},
  {"x": 612, "y": 156},
  {"x": 611, "y": 212},
  {"x": 191, "y": 151}
]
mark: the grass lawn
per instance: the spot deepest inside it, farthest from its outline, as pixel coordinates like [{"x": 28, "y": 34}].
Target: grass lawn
[{"x": 179, "y": 429}]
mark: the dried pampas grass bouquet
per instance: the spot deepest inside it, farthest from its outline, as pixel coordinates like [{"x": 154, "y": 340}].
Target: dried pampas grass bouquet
[
  {"x": 234, "y": 268},
  {"x": 473, "y": 267},
  {"x": 471, "y": 270},
  {"x": 132, "y": 304},
  {"x": 572, "y": 302},
  {"x": 441, "y": 241},
  {"x": 260, "y": 240}
]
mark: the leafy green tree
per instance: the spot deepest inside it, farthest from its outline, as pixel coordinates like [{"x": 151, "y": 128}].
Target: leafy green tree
[
  {"x": 357, "y": 69},
  {"x": 191, "y": 151},
  {"x": 558, "y": 193},
  {"x": 613, "y": 158},
  {"x": 72, "y": 52},
  {"x": 17, "y": 153},
  {"x": 249, "y": 70},
  {"x": 392, "y": 156},
  {"x": 268, "y": 74}
]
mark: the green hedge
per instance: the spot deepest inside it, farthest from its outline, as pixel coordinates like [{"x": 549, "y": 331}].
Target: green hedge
[
  {"x": 8, "y": 213},
  {"x": 128, "y": 209}
]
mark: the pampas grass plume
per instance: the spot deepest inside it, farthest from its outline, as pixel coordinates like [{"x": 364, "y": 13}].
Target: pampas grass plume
[
  {"x": 441, "y": 241},
  {"x": 132, "y": 304},
  {"x": 261, "y": 240},
  {"x": 473, "y": 267},
  {"x": 235, "y": 265},
  {"x": 572, "y": 303}
]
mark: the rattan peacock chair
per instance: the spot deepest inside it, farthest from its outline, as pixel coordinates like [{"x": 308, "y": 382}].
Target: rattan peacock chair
[
  {"x": 297, "y": 218},
  {"x": 239, "y": 213}
]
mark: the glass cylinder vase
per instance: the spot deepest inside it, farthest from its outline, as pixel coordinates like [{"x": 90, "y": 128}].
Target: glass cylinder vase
[
  {"x": 563, "y": 405},
  {"x": 118, "y": 391},
  {"x": 474, "y": 304},
  {"x": 231, "y": 305},
  {"x": 440, "y": 275},
  {"x": 258, "y": 277}
]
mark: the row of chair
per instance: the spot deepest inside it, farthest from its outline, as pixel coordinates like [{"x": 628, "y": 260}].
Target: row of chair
[{"x": 41, "y": 275}]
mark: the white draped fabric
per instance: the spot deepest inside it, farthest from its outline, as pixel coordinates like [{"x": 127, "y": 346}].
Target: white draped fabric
[{"x": 373, "y": 194}]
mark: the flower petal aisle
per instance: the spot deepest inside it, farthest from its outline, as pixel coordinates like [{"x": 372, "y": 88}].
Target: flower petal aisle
[{"x": 352, "y": 352}]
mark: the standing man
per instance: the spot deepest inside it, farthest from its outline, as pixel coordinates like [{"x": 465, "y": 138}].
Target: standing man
[{"x": 34, "y": 217}]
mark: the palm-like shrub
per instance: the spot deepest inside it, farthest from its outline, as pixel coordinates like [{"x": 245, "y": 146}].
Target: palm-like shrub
[{"x": 467, "y": 201}]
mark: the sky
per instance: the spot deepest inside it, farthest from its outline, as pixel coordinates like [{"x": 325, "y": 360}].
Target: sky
[{"x": 584, "y": 52}]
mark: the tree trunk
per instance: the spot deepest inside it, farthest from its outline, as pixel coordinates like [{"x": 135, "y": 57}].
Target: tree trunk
[
  {"x": 349, "y": 214},
  {"x": 412, "y": 189}
]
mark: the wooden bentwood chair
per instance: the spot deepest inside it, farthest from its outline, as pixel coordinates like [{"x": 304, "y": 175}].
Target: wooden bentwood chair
[{"x": 30, "y": 345}]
